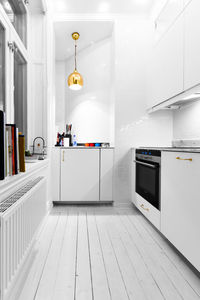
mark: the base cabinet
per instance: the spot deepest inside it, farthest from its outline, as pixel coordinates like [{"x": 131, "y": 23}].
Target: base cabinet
[
  {"x": 180, "y": 204},
  {"x": 106, "y": 174},
  {"x": 79, "y": 175},
  {"x": 148, "y": 210},
  {"x": 82, "y": 175}
]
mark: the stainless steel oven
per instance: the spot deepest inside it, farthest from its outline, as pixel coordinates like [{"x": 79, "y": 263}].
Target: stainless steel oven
[{"x": 148, "y": 167}]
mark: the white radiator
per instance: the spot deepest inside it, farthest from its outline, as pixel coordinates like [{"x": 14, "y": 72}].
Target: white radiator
[{"x": 20, "y": 216}]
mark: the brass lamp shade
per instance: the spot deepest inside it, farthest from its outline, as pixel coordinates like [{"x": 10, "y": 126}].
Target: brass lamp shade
[{"x": 75, "y": 81}]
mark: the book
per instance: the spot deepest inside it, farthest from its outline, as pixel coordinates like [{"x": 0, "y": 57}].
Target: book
[
  {"x": 10, "y": 149},
  {"x": 2, "y": 145},
  {"x": 14, "y": 148},
  {"x": 21, "y": 153},
  {"x": 7, "y": 153},
  {"x": 17, "y": 149}
]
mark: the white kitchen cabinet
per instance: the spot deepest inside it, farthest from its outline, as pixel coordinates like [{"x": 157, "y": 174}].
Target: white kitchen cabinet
[
  {"x": 180, "y": 204},
  {"x": 79, "y": 178},
  {"x": 106, "y": 174},
  {"x": 192, "y": 45},
  {"x": 171, "y": 10},
  {"x": 55, "y": 174},
  {"x": 165, "y": 78}
]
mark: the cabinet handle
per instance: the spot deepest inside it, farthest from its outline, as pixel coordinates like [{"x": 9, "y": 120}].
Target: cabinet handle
[
  {"x": 142, "y": 206},
  {"x": 63, "y": 156},
  {"x": 179, "y": 158}
]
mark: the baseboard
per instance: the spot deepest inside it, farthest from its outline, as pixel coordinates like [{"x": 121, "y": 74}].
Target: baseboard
[{"x": 97, "y": 203}]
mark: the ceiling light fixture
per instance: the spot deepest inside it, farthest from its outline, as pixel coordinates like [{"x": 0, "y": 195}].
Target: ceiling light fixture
[{"x": 75, "y": 80}]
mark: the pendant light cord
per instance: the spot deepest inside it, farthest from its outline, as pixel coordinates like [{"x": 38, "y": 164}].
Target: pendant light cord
[{"x": 75, "y": 56}]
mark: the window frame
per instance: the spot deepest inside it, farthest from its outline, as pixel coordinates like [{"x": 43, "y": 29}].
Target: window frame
[
  {"x": 25, "y": 43},
  {"x": 13, "y": 40}
]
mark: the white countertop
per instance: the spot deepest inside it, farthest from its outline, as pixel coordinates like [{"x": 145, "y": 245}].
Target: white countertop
[
  {"x": 14, "y": 180},
  {"x": 172, "y": 149},
  {"x": 83, "y": 147}
]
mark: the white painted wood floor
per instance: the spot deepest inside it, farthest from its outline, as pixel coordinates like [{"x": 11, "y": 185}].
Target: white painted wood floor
[{"x": 104, "y": 253}]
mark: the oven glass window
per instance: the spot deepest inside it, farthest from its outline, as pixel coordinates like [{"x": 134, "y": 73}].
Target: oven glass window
[{"x": 147, "y": 183}]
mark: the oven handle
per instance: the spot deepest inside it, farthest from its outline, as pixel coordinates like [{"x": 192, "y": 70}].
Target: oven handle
[{"x": 145, "y": 164}]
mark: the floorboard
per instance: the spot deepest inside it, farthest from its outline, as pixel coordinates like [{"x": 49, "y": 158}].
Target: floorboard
[
  {"x": 101, "y": 287},
  {"x": 105, "y": 253},
  {"x": 49, "y": 274},
  {"x": 84, "y": 288},
  {"x": 65, "y": 280}
]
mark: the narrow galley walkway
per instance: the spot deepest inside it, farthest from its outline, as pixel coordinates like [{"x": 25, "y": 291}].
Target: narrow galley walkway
[{"x": 104, "y": 253}]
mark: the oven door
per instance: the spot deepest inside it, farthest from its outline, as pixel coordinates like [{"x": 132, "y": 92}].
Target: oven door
[{"x": 148, "y": 181}]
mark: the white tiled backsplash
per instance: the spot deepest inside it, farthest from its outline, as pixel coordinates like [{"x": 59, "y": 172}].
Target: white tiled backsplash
[
  {"x": 186, "y": 124},
  {"x": 186, "y": 143}
]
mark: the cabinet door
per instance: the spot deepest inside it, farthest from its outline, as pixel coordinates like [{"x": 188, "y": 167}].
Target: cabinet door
[
  {"x": 106, "y": 171},
  {"x": 167, "y": 16},
  {"x": 192, "y": 45},
  {"x": 180, "y": 204},
  {"x": 165, "y": 78},
  {"x": 80, "y": 175},
  {"x": 55, "y": 174}
]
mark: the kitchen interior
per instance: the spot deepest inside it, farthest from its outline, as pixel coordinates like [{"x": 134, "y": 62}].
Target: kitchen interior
[{"x": 99, "y": 149}]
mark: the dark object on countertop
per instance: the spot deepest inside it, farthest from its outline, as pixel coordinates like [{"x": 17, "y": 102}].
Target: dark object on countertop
[
  {"x": 28, "y": 153},
  {"x": 61, "y": 139}
]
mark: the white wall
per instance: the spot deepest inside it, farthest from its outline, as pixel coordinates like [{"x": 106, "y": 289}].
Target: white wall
[
  {"x": 90, "y": 110},
  {"x": 37, "y": 89},
  {"x": 61, "y": 83},
  {"x": 133, "y": 127},
  {"x": 186, "y": 123}
]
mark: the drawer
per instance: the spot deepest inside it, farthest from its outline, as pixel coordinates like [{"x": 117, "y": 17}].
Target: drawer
[{"x": 149, "y": 211}]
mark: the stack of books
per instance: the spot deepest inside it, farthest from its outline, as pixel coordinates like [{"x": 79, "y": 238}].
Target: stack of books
[{"x": 12, "y": 149}]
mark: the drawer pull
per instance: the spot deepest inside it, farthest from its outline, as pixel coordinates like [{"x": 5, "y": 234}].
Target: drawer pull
[
  {"x": 179, "y": 158},
  {"x": 142, "y": 206},
  {"x": 63, "y": 158}
]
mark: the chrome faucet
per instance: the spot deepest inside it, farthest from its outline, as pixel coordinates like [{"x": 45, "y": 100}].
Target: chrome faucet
[{"x": 41, "y": 157}]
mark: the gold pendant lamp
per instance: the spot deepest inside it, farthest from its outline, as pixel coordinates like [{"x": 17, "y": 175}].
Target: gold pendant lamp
[{"x": 75, "y": 80}]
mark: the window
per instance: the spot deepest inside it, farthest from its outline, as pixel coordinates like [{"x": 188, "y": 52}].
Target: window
[
  {"x": 20, "y": 92},
  {"x": 16, "y": 12},
  {"x": 2, "y": 68}
]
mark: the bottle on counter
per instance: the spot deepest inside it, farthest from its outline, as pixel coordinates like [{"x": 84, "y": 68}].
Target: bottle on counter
[{"x": 74, "y": 141}]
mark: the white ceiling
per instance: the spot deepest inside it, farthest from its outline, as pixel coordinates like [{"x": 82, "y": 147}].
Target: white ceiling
[
  {"x": 93, "y": 31},
  {"x": 90, "y": 33},
  {"x": 136, "y": 7}
]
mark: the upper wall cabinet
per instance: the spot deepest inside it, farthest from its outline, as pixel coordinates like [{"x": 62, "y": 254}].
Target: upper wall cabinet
[
  {"x": 165, "y": 79},
  {"x": 192, "y": 45},
  {"x": 174, "y": 68},
  {"x": 168, "y": 15}
]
